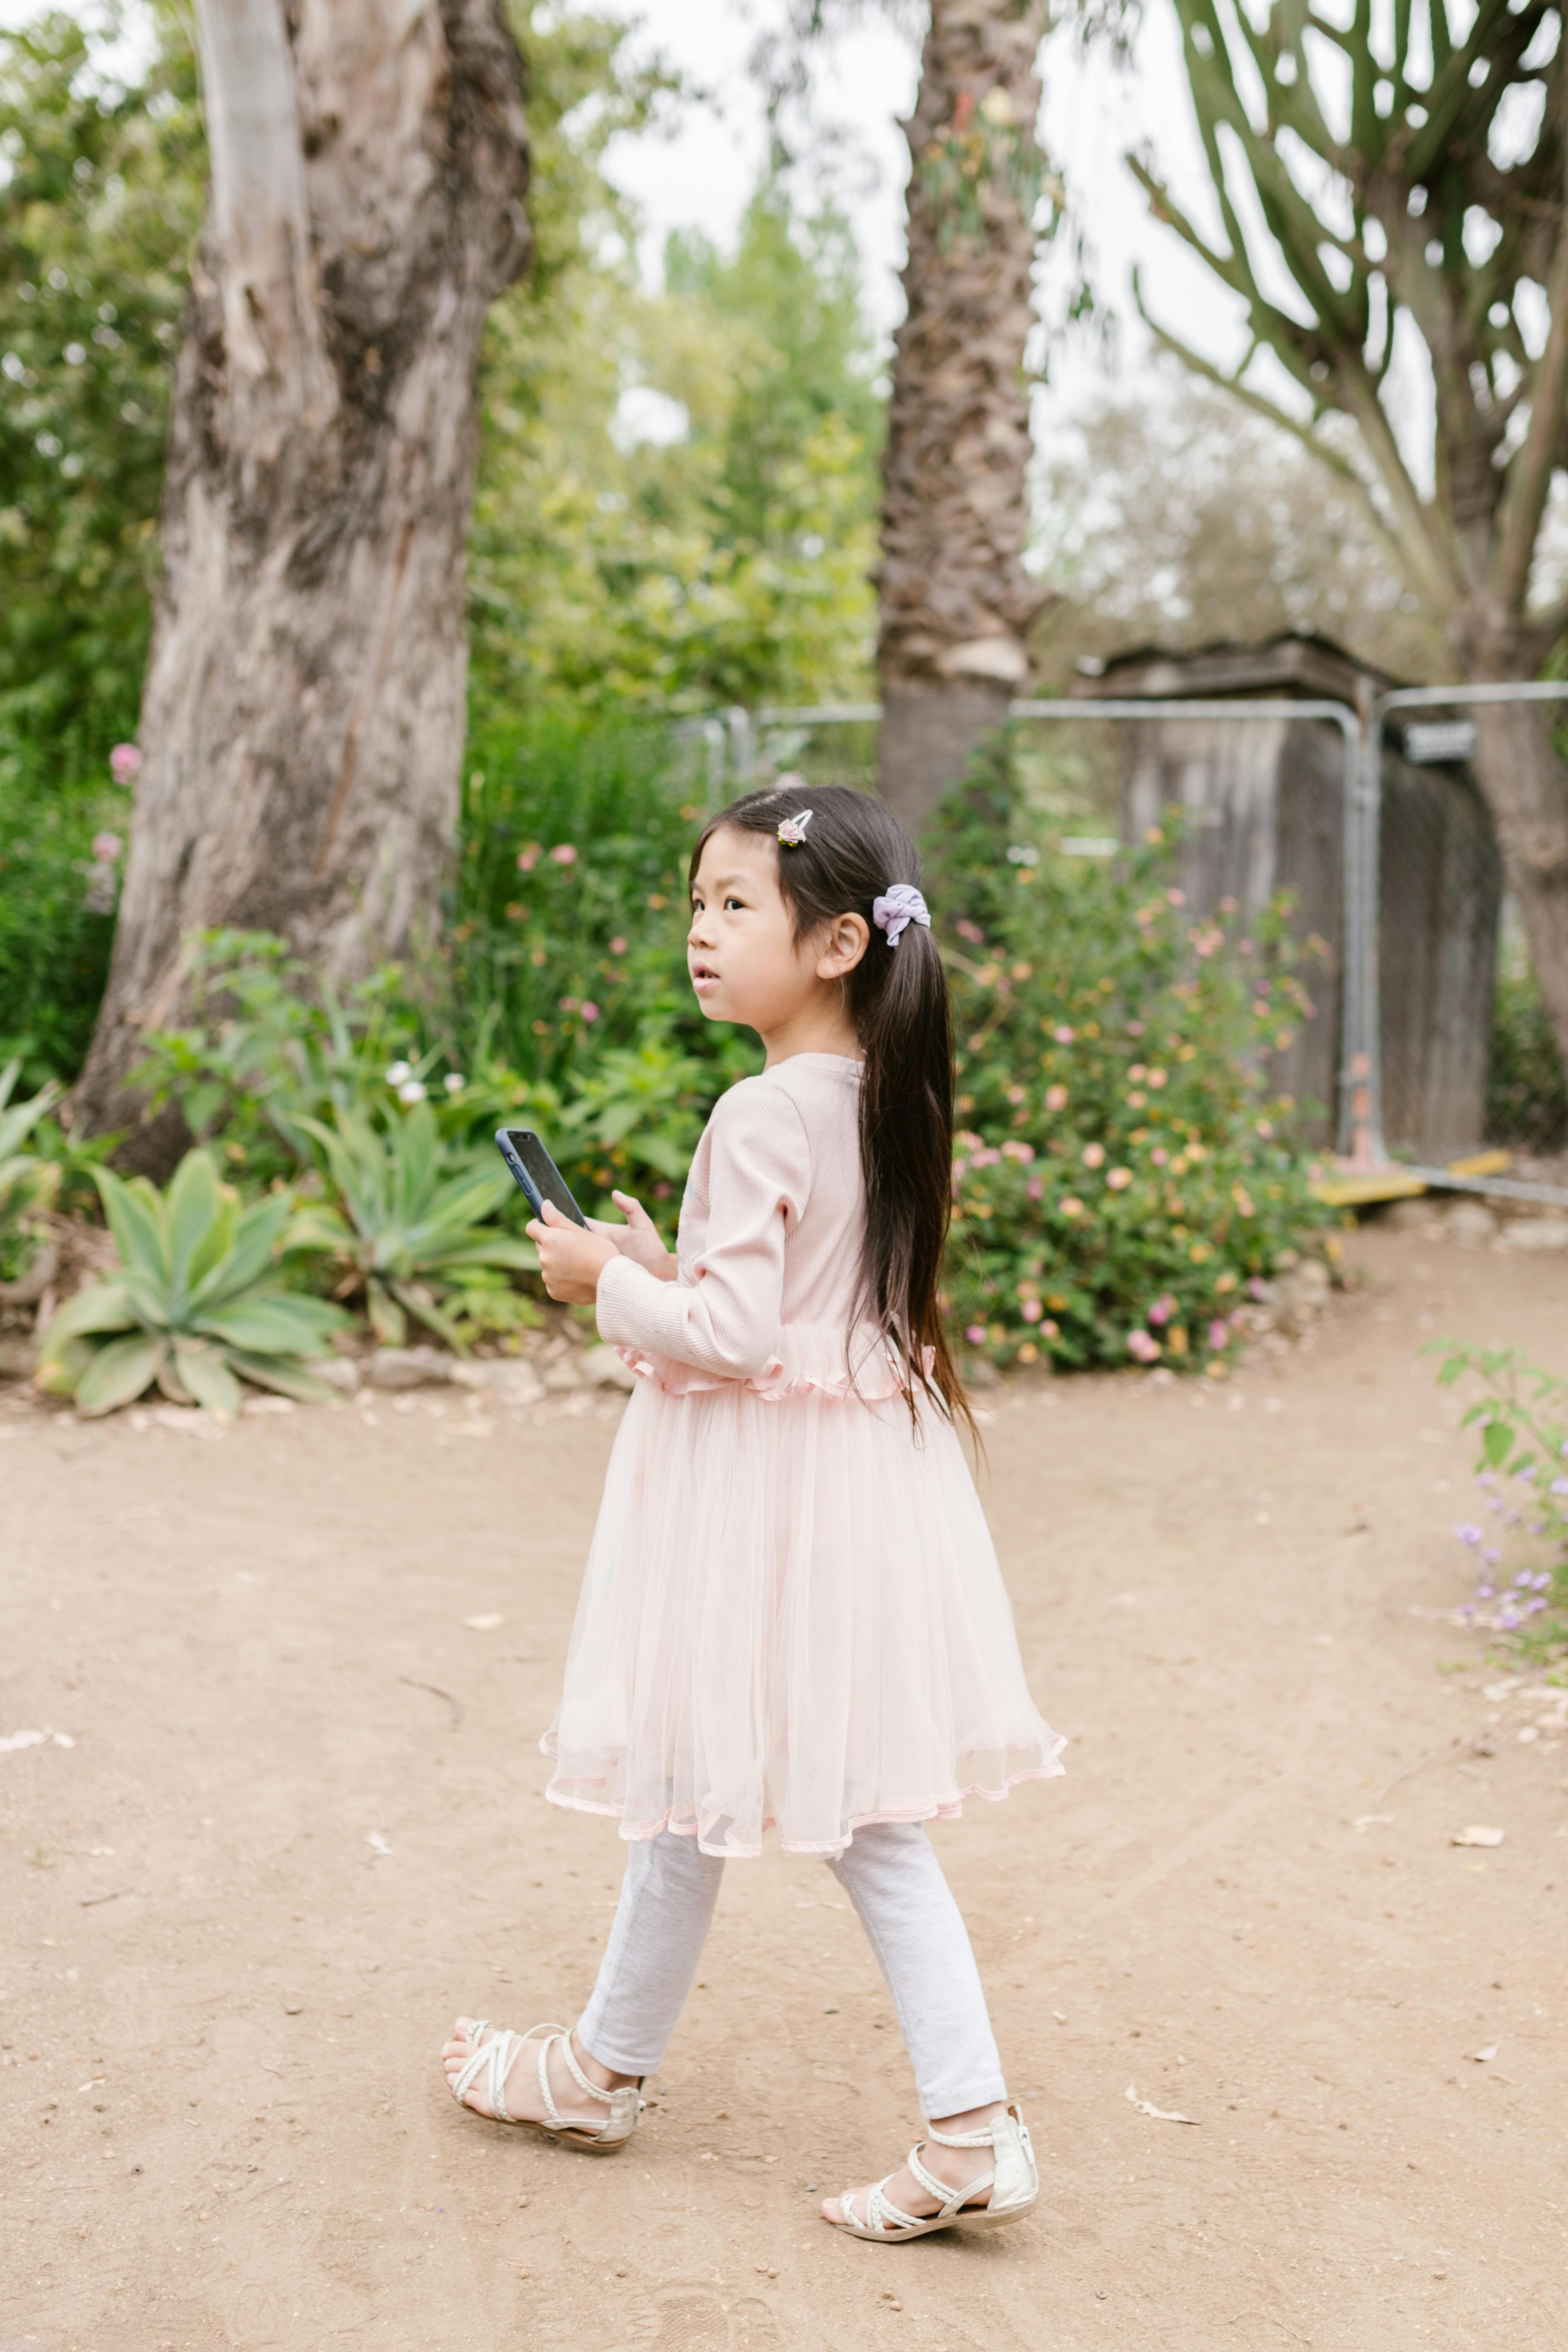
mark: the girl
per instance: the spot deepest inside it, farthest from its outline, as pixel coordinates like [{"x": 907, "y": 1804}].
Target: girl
[{"x": 793, "y": 1615}]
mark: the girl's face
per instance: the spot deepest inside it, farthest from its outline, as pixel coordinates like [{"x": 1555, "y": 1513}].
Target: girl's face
[{"x": 741, "y": 952}]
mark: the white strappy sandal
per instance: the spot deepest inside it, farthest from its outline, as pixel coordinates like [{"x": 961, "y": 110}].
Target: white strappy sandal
[
  {"x": 494, "y": 2060},
  {"x": 1013, "y": 2181}
]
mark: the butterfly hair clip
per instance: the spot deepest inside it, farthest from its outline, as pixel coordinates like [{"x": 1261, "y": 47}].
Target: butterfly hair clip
[{"x": 792, "y": 829}]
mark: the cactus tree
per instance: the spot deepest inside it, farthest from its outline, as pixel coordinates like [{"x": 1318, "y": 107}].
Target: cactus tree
[{"x": 1398, "y": 174}]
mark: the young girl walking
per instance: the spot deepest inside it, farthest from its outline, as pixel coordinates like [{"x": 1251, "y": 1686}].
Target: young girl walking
[{"x": 793, "y": 1616}]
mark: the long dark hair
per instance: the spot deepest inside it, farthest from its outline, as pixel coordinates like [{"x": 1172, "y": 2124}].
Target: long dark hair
[{"x": 853, "y": 851}]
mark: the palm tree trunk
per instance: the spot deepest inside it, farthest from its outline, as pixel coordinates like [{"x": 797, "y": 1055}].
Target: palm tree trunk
[
  {"x": 302, "y": 714},
  {"x": 955, "y": 598}
]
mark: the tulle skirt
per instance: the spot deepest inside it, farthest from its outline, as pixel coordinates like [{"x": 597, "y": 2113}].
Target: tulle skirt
[{"x": 793, "y": 1618}]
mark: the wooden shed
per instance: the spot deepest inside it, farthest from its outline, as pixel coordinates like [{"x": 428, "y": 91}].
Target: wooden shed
[{"x": 1267, "y": 800}]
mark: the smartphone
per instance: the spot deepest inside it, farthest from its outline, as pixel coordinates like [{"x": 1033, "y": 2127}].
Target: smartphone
[{"x": 536, "y": 1172}]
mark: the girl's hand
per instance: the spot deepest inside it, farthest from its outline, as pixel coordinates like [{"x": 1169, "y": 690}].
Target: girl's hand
[
  {"x": 637, "y": 1238},
  {"x": 570, "y": 1260}
]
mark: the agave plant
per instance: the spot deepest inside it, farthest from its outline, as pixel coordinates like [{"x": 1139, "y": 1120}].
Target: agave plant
[
  {"x": 407, "y": 1219},
  {"x": 197, "y": 1305},
  {"x": 27, "y": 1187}
]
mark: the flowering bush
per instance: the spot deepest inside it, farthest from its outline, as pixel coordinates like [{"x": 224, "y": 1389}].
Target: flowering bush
[
  {"x": 1521, "y": 1543},
  {"x": 1124, "y": 1182}
]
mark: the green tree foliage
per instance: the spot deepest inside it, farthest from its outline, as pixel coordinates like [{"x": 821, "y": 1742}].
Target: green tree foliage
[
  {"x": 723, "y": 559},
  {"x": 100, "y": 190}
]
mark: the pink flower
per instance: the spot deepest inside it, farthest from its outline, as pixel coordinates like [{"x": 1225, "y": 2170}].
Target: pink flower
[
  {"x": 970, "y": 932},
  {"x": 1031, "y": 1310},
  {"x": 1141, "y": 1345},
  {"x": 1069, "y": 1207},
  {"x": 1012, "y": 1150},
  {"x": 590, "y": 1012},
  {"x": 617, "y": 947},
  {"x": 106, "y": 847},
  {"x": 1056, "y": 1097},
  {"x": 1036, "y": 1188},
  {"x": 1159, "y": 1155},
  {"x": 125, "y": 763},
  {"x": 527, "y": 859},
  {"x": 1164, "y": 1306},
  {"x": 1219, "y": 1334},
  {"x": 564, "y": 854},
  {"x": 1176, "y": 898},
  {"x": 1050, "y": 1329},
  {"x": 1064, "y": 1035},
  {"x": 1093, "y": 1155},
  {"x": 975, "y": 1334},
  {"x": 1118, "y": 1179}
]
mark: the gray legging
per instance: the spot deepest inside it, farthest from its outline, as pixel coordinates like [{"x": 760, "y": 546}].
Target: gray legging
[{"x": 893, "y": 1878}]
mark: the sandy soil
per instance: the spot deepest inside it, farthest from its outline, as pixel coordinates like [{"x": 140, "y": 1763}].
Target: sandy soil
[{"x": 222, "y": 2116}]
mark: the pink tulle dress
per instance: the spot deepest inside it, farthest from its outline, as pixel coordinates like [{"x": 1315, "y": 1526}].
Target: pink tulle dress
[{"x": 793, "y": 1615}]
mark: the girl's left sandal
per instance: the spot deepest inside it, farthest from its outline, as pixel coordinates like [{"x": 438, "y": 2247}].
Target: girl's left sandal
[
  {"x": 493, "y": 2060},
  {"x": 1013, "y": 2183}
]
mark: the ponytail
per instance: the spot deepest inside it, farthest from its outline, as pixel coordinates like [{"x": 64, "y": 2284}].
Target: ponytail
[{"x": 853, "y": 853}]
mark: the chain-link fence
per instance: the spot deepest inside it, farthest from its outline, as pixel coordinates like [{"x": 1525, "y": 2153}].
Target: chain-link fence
[{"x": 1368, "y": 815}]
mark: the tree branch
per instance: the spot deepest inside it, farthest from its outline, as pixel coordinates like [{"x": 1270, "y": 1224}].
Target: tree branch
[
  {"x": 1414, "y": 568},
  {"x": 258, "y": 228}
]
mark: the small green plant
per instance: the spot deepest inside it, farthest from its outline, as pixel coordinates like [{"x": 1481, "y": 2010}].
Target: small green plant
[
  {"x": 1124, "y": 1182},
  {"x": 29, "y": 1184},
  {"x": 1519, "y": 1544},
  {"x": 1527, "y": 1090},
  {"x": 407, "y": 1222},
  {"x": 198, "y": 1304}
]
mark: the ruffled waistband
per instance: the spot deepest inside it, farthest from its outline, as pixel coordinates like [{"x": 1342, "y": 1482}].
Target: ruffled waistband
[{"x": 813, "y": 1359}]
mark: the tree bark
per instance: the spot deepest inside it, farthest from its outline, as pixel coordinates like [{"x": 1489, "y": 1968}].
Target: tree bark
[
  {"x": 1525, "y": 787},
  {"x": 302, "y": 715},
  {"x": 956, "y": 597}
]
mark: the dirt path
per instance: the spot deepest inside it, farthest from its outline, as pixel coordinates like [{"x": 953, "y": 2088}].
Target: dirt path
[{"x": 221, "y": 2116}]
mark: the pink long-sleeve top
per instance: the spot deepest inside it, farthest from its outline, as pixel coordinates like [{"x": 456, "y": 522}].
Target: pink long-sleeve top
[{"x": 768, "y": 1250}]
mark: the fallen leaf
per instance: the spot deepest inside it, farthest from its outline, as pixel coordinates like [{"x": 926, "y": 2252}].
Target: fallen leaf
[
  {"x": 1484, "y": 2057},
  {"x": 1478, "y": 1835},
  {"x": 1161, "y": 2114},
  {"x": 486, "y": 1624}
]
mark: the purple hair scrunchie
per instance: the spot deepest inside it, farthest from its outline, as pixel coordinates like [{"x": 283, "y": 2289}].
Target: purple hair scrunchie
[{"x": 897, "y": 908}]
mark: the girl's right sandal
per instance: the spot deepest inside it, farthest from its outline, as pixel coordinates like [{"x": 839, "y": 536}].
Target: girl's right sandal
[
  {"x": 493, "y": 2059},
  {"x": 1013, "y": 2181}
]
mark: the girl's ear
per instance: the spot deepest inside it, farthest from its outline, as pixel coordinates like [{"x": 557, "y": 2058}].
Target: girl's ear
[{"x": 844, "y": 941}]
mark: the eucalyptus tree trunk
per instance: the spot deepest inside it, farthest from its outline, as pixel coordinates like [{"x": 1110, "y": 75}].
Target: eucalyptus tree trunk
[
  {"x": 955, "y": 598},
  {"x": 302, "y": 715}
]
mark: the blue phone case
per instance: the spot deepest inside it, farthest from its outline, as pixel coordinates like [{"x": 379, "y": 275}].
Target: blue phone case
[{"x": 527, "y": 1183}]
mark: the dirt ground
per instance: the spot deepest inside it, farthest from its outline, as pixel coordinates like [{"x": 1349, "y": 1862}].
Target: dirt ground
[{"x": 300, "y": 1826}]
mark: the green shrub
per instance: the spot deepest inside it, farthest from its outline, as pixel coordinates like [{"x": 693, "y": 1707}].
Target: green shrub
[
  {"x": 1521, "y": 1545},
  {"x": 199, "y": 1302},
  {"x": 570, "y": 905},
  {"x": 56, "y": 901},
  {"x": 1124, "y": 1176},
  {"x": 1527, "y": 1090}
]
